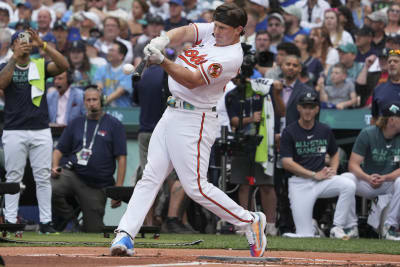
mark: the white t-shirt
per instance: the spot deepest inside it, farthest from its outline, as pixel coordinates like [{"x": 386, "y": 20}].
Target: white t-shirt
[
  {"x": 217, "y": 64},
  {"x": 346, "y": 38},
  {"x": 333, "y": 56}
]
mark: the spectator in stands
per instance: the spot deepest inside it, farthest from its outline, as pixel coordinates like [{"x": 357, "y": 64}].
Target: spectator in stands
[
  {"x": 378, "y": 21},
  {"x": 194, "y": 8},
  {"x": 90, "y": 22},
  {"x": 292, "y": 15},
  {"x": 37, "y": 6},
  {"x": 44, "y": 22},
  {"x": 110, "y": 79},
  {"x": 93, "y": 53},
  {"x": 323, "y": 49},
  {"x": 341, "y": 94},
  {"x": 264, "y": 56},
  {"x": 387, "y": 92},
  {"x": 88, "y": 142},
  {"x": 312, "y": 12},
  {"x": 260, "y": 7},
  {"x": 60, "y": 32},
  {"x": 5, "y": 47},
  {"x": 284, "y": 49},
  {"x": 358, "y": 11},
  {"x": 66, "y": 102},
  {"x": 26, "y": 131},
  {"x": 137, "y": 20},
  {"x": 159, "y": 8},
  {"x": 313, "y": 65},
  {"x": 304, "y": 145},
  {"x": 374, "y": 165},
  {"x": 346, "y": 20},
  {"x": 5, "y": 19},
  {"x": 175, "y": 19},
  {"x": 24, "y": 14},
  {"x": 363, "y": 43},
  {"x": 255, "y": 168},
  {"x": 393, "y": 15},
  {"x": 276, "y": 28},
  {"x": 249, "y": 36},
  {"x": 83, "y": 72},
  {"x": 112, "y": 10},
  {"x": 75, "y": 10},
  {"x": 347, "y": 55},
  {"x": 112, "y": 29},
  {"x": 336, "y": 32}
]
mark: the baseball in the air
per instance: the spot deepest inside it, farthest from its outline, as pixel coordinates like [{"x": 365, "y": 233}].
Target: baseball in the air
[{"x": 128, "y": 68}]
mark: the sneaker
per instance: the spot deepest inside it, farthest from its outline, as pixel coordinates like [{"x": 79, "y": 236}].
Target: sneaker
[
  {"x": 389, "y": 233},
  {"x": 271, "y": 229},
  {"x": 174, "y": 225},
  {"x": 352, "y": 232},
  {"x": 47, "y": 228},
  {"x": 122, "y": 245},
  {"x": 317, "y": 230},
  {"x": 338, "y": 232},
  {"x": 255, "y": 235}
]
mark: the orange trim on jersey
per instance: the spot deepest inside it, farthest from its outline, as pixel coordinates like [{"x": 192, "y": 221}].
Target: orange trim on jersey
[
  {"x": 187, "y": 62},
  {"x": 204, "y": 74},
  {"x": 223, "y": 90},
  {"x": 197, "y": 34},
  {"x": 198, "y": 175}
]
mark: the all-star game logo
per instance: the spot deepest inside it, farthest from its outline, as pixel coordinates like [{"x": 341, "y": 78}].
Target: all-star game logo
[{"x": 214, "y": 70}]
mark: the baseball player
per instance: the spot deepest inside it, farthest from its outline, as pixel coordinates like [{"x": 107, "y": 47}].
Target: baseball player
[
  {"x": 183, "y": 137},
  {"x": 304, "y": 145}
]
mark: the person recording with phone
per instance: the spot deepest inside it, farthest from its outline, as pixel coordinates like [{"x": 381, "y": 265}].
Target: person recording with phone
[
  {"x": 91, "y": 145},
  {"x": 26, "y": 120}
]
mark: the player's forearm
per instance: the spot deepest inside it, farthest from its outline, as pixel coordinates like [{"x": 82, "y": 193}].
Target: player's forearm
[
  {"x": 60, "y": 61},
  {"x": 279, "y": 107},
  {"x": 362, "y": 77},
  {"x": 7, "y": 72},
  {"x": 334, "y": 161},
  {"x": 121, "y": 171},
  {"x": 355, "y": 169},
  {"x": 295, "y": 168},
  {"x": 182, "y": 75},
  {"x": 57, "y": 155},
  {"x": 393, "y": 175},
  {"x": 181, "y": 35}
]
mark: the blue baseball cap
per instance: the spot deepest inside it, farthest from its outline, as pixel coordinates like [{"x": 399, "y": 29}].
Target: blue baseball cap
[
  {"x": 15, "y": 36},
  {"x": 50, "y": 38},
  {"x": 177, "y": 2}
]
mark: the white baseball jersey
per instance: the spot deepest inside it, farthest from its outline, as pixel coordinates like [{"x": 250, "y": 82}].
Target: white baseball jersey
[{"x": 217, "y": 64}]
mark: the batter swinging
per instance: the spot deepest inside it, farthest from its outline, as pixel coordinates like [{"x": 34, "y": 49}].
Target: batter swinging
[{"x": 183, "y": 137}]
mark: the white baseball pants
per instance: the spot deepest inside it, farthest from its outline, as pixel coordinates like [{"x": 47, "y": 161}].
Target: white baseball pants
[
  {"x": 304, "y": 192},
  {"x": 364, "y": 189},
  {"x": 18, "y": 146},
  {"x": 182, "y": 140}
]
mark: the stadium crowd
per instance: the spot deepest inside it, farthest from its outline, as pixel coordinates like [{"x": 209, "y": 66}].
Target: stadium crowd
[{"x": 344, "y": 53}]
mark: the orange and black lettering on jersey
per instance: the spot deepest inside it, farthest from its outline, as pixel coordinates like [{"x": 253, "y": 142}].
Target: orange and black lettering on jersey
[{"x": 193, "y": 58}]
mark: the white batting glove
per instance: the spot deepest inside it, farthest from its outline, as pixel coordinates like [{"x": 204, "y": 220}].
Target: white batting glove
[
  {"x": 153, "y": 54},
  {"x": 160, "y": 42}
]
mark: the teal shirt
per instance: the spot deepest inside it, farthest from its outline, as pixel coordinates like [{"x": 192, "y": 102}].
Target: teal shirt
[{"x": 381, "y": 156}]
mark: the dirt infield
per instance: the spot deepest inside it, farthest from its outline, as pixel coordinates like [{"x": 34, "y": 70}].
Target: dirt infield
[{"x": 95, "y": 256}]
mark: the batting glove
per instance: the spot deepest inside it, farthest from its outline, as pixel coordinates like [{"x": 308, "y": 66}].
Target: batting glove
[
  {"x": 153, "y": 54},
  {"x": 160, "y": 42}
]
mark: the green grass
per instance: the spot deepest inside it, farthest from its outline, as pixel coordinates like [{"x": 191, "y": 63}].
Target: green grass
[{"x": 219, "y": 242}]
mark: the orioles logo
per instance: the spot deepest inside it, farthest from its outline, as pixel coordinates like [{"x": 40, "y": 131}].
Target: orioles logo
[{"x": 214, "y": 70}]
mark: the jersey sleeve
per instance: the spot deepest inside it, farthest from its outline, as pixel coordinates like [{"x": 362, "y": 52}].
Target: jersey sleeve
[
  {"x": 286, "y": 145},
  {"x": 202, "y": 31},
  {"x": 361, "y": 145}
]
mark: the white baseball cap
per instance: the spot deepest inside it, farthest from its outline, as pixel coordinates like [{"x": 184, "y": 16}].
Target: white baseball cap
[
  {"x": 264, "y": 3},
  {"x": 293, "y": 10},
  {"x": 93, "y": 17}
]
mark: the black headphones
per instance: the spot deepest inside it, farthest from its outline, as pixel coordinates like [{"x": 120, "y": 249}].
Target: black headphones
[{"x": 94, "y": 86}]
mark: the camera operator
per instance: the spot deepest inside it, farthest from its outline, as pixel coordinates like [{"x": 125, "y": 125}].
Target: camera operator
[{"x": 250, "y": 108}]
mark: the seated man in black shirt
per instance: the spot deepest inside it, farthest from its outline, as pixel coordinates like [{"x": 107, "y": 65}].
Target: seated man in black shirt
[
  {"x": 91, "y": 145},
  {"x": 304, "y": 145}
]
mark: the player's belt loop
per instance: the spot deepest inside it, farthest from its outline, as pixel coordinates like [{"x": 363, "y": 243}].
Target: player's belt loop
[{"x": 178, "y": 103}]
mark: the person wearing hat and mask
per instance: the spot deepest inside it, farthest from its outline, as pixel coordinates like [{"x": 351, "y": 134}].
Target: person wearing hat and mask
[
  {"x": 195, "y": 80},
  {"x": 363, "y": 42},
  {"x": 276, "y": 28},
  {"x": 304, "y": 146},
  {"x": 378, "y": 20},
  {"x": 175, "y": 19},
  {"x": 292, "y": 16},
  {"x": 26, "y": 120},
  {"x": 374, "y": 166},
  {"x": 347, "y": 55}
]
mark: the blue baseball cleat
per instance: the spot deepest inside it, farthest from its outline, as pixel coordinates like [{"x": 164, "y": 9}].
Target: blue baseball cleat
[{"x": 122, "y": 245}]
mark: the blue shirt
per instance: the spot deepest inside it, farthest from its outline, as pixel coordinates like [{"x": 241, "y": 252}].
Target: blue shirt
[
  {"x": 308, "y": 147},
  {"x": 111, "y": 80},
  {"x": 384, "y": 94},
  {"x": 110, "y": 142},
  {"x": 19, "y": 111}
]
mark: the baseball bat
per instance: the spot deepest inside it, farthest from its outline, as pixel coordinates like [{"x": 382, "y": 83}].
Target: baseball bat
[{"x": 139, "y": 70}]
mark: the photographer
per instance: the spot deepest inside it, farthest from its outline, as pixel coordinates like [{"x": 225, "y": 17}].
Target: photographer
[
  {"x": 26, "y": 120},
  {"x": 250, "y": 108}
]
